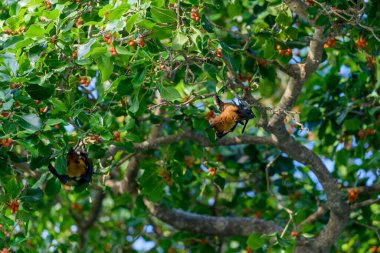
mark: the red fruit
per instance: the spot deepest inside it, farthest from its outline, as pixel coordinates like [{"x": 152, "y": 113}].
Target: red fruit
[
  {"x": 14, "y": 86},
  {"x": 8, "y": 31},
  {"x": 75, "y": 54},
  {"x": 278, "y": 47},
  {"x": 79, "y": 22},
  {"x": 353, "y": 195},
  {"x": 258, "y": 215},
  {"x": 212, "y": 171},
  {"x": 5, "y": 114},
  {"x": 83, "y": 80},
  {"x": 295, "y": 233},
  {"x": 132, "y": 43},
  {"x": 56, "y": 126}
]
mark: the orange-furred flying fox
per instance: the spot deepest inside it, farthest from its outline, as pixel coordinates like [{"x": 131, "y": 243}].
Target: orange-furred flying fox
[
  {"x": 78, "y": 168},
  {"x": 230, "y": 115}
]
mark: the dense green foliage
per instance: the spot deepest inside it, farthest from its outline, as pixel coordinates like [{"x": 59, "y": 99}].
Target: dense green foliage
[{"x": 92, "y": 70}]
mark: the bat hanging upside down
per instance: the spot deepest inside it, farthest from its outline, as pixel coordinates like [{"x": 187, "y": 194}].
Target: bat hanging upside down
[
  {"x": 230, "y": 115},
  {"x": 78, "y": 168}
]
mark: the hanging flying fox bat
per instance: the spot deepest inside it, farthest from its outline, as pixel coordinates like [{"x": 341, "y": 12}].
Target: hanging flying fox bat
[
  {"x": 78, "y": 168},
  {"x": 230, "y": 115}
]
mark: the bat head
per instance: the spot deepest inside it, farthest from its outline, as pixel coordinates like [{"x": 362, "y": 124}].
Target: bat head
[{"x": 245, "y": 113}]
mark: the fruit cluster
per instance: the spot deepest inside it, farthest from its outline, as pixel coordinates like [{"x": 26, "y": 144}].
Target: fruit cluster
[
  {"x": 374, "y": 249},
  {"x": 219, "y": 53},
  {"x": 14, "y": 206},
  {"x": 166, "y": 176},
  {"x": 212, "y": 171},
  {"x": 360, "y": 43},
  {"x": 11, "y": 32},
  {"x": 15, "y": 86},
  {"x": 116, "y": 136},
  {"x": 194, "y": 15},
  {"x": 85, "y": 81},
  {"x": 189, "y": 161},
  {"x": 330, "y": 43},
  {"x": 353, "y": 195},
  {"x": 371, "y": 61},
  {"x": 79, "y": 22},
  {"x": 5, "y": 250},
  {"x": 286, "y": 52},
  {"x": 107, "y": 38},
  {"x": 6, "y": 142},
  {"x": 140, "y": 41},
  {"x": 363, "y": 133},
  {"x": 295, "y": 233},
  {"x": 112, "y": 50},
  {"x": 245, "y": 78},
  {"x": 48, "y": 4}
]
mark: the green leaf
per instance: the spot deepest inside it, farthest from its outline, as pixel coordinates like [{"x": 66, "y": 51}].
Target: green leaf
[
  {"x": 255, "y": 241},
  {"x": 52, "y": 122},
  {"x": 206, "y": 24},
  {"x": 12, "y": 187},
  {"x": 52, "y": 187},
  {"x": 60, "y": 164},
  {"x": 138, "y": 78},
  {"x": 135, "y": 104},
  {"x": 54, "y": 14},
  {"x": 352, "y": 124},
  {"x": 284, "y": 20},
  {"x": 146, "y": 24},
  {"x": 116, "y": 13},
  {"x": 23, "y": 215},
  {"x": 33, "y": 195},
  {"x": 292, "y": 32},
  {"x": 85, "y": 48},
  {"x": 131, "y": 22},
  {"x": 105, "y": 67},
  {"x": 39, "y": 92},
  {"x": 152, "y": 184},
  {"x": 178, "y": 41},
  {"x": 30, "y": 122},
  {"x": 35, "y": 31},
  {"x": 168, "y": 93},
  {"x": 8, "y": 105},
  {"x": 282, "y": 242},
  {"x": 322, "y": 20},
  {"x": 123, "y": 51},
  {"x": 268, "y": 49},
  {"x": 163, "y": 15}
]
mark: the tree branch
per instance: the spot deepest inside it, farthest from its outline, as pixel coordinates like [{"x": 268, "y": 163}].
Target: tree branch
[
  {"x": 245, "y": 139},
  {"x": 210, "y": 225}
]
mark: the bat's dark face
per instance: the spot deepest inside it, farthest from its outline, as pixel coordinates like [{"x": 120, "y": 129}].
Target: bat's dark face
[{"x": 245, "y": 113}]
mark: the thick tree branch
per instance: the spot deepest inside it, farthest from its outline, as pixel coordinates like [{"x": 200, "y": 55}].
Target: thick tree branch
[
  {"x": 211, "y": 225},
  {"x": 128, "y": 183},
  {"x": 246, "y": 139}
]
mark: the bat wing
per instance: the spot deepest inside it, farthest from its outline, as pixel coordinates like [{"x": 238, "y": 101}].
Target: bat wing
[{"x": 63, "y": 178}]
